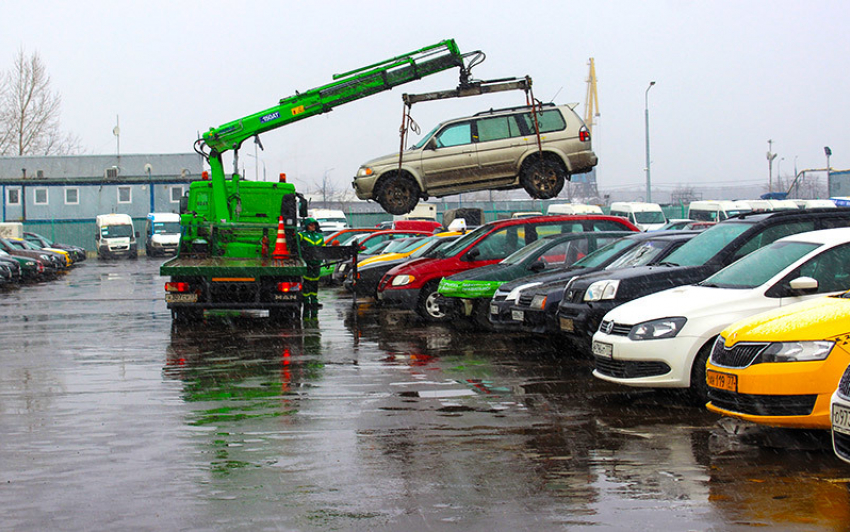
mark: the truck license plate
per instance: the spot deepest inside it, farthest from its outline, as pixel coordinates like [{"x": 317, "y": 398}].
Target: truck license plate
[
  {"x": 603, "y": 350},
  {"x": 181, "y": 298},
  {"x": 723, "y": 381},
  {"x": 840, "y": 419},
  {"x": 517, "y": 315}
]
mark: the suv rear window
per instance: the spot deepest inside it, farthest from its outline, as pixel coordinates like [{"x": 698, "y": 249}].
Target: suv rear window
[{"x": 550, "y": 120}]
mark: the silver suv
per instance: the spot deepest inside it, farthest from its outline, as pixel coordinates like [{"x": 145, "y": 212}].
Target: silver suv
[{"x": 496, "y": 149}]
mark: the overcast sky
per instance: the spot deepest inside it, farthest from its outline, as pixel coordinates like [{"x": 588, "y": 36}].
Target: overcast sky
[{"x": 729, "y": 76}]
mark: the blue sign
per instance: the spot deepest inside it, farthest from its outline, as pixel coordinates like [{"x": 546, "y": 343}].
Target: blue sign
[{"x": 270, "y": 117}]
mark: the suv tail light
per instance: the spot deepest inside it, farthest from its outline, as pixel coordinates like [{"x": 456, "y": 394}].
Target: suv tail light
[{"x": 584, "y": 134}]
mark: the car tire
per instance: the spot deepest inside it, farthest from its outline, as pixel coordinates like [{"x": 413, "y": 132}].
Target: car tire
[
  {"x": 698, "y": 391},
  {"x": 429, "y": 305},
  {"x": 398, "y": 194},
  {"x": 543, "y": 178}
]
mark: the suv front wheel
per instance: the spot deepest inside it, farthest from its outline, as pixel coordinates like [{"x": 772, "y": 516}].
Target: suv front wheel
[
  {"x": 398, "y": 194},
  {"x": 542, "y": 179}
]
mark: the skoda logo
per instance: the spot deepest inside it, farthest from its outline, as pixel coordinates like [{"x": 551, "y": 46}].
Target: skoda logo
[{"x": 608, "y": 327}]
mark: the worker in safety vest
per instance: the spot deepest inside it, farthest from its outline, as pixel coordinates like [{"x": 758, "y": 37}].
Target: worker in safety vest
[{"x": 311, "y": 236}]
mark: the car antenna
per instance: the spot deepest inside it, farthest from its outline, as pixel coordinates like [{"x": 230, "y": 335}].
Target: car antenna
[{"x": 556, "y": 94}]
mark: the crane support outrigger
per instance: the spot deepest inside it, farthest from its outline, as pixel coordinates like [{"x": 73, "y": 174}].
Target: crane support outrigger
[{"x": 227, "y": 223}]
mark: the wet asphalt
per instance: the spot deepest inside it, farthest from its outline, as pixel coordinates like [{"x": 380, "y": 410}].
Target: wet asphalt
[{"x": 113, "y": 419}]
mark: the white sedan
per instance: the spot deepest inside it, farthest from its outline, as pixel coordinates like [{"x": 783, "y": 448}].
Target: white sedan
[{"x": 663, "y": 340}]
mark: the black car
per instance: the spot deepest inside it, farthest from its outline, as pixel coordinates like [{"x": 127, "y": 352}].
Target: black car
[
  {"x": 77, "y": 253},
  {"x": 533, "y": 307},
  {"x": 589, "y": 297}
]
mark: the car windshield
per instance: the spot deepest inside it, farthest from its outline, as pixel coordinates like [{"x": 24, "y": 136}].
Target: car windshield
[
  {"x": 113, "y": 231},
  {"x": 604, "y": 254},
  {"x": 424, "y": 139},
  {"x": 639, "y": 255},
  {"x": 532, "y": 250},
  {"x": 461, "y": 243},
  {"x": 166, "y": 227},
  {"x": 760, "y": 266},
  {"x": 698, "y": 250},
  {"x": 433, "y": 246},
  {"x": 403, "y": 245},
  {"x": 375, "y": 246},
  {"x": 650, "y": 217}
]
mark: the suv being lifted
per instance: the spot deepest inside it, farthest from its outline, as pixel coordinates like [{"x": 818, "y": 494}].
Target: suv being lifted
[{"x": 496, "y": 149}]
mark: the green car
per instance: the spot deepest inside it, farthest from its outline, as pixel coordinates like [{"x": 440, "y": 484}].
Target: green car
[{"x": 462, "y": 290}]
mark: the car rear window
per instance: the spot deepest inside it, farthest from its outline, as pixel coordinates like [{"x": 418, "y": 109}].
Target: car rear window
[{"x": 549, "y": 120}]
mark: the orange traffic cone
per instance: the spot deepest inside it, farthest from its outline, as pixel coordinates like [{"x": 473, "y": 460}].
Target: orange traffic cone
[{"x": 280, "y": 249}]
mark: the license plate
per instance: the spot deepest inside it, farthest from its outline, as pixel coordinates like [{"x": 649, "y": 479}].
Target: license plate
[
  {"x": 723, "y": 381},
  {"x": 517, "y": 315},
  {"x": 840, "y": 419},
  {"x": 494, "y": 309},
  {"x": 603, "y": 350},
  {"x": 181, "y": 298},
  {"x": 567, "y": 324}
]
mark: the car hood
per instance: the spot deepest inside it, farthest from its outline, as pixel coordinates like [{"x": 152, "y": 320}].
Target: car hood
[
  {"x": 554, "y": 275},
  {"x": 383, "y": 160},
  {"x": 818, "y": 319},
  {"x": 493, "y": 272},
  {"x": 692, "y": 302},
  {"x": 643, "y": 280}
]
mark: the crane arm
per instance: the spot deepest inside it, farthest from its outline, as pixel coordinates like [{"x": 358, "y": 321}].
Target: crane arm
[{"x": 345, "y": 88}]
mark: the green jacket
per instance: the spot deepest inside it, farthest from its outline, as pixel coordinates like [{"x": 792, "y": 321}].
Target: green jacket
[{"x": 311, "y": 238}]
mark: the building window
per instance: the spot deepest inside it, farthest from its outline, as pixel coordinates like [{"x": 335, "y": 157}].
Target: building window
[
  {"x": 72, "y": 196},
  {"x": 176, "y": 194},
  {"x": 40, "y": 195},
  {"x": 125, "y": 195},
  {"x": 13, "y": 196}
]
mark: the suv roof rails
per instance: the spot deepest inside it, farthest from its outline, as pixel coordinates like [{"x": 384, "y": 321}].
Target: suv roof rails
[{"x": 510, "y": 109}]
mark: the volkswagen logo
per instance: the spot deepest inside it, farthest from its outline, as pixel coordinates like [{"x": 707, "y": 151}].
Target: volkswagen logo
[{"x": 608, "y": 327}]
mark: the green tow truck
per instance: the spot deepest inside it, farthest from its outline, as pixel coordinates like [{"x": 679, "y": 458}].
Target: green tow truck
[{"x": 239, "y": 248}]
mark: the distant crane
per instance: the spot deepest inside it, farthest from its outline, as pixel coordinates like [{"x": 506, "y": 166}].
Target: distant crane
[{"x": 585, "y": 185}]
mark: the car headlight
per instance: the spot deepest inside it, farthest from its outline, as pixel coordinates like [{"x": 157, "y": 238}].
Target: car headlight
[
  {"x": 538, "y": 301},
  {"x": 401, "y": 280},
  {"x": 796, "y": 351},
  {"x": 655, "y": 329},
  {"x": 364, "y": 171},
  {"x": 599, "y": 290}
]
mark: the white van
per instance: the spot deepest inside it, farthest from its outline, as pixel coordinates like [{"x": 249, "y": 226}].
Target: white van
[
  {"x": 768, "y": 205},
  {"x": 330, "y": 221},
  {"x": 11, "y": 230},
  {"x": 162, "y": 233},
  {"x": 716, "y": 210},
  {"x": 115, "y": 236},
  {"x": 647, "y": 216},
  {"x": 573, "y": 208},
  {"x": 422, "y": 211}
]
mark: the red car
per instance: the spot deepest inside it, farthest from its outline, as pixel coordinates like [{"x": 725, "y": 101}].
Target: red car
[{"x": 413, "y": 285}]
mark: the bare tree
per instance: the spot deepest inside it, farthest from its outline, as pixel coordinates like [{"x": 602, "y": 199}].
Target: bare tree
[{"x": 29, "y": 112}]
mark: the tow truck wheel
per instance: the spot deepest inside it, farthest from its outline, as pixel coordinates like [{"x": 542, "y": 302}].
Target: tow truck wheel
[
  {"x": 431, "y": 306},
  {"x": 543, "y": 179},
  {"x": 399, "y": 194}
]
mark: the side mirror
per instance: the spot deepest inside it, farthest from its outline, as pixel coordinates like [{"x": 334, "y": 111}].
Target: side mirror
[
  {"x": 537, "y": 266},
  {"x": 334, "y": 242},
  {"x": 431, "y": 144},
  {"x": 472, "y": 254},
  {"x": 804, "y": 284}
]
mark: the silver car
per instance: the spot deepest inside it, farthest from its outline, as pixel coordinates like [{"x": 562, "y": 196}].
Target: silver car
[{"x": 496, "y": 149}]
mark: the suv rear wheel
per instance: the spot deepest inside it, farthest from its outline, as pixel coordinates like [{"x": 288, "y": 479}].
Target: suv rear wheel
[
  {"x": 543, "y": 178},
  {"x": 399, "y": 194}
]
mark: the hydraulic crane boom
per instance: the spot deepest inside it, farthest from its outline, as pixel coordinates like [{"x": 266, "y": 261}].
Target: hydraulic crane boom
[{"x": 346, "y": 87}]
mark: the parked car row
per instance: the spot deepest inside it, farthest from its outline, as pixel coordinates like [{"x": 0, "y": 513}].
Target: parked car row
[
  {"x": 35, "y": 258},
  {"x": 748, "y": 317}
]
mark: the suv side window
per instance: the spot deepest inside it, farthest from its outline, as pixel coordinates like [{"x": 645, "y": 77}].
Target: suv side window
[
  {"x": 497, "y": 128},
  {"x": 772, "y": 233},
  {"x": 549, "y": 120},
  {"x": 455, "y": 135}
]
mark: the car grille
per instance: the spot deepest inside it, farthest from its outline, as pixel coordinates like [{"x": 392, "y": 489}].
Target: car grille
[
  {"x": 763, "y": 405},
  {"x": 841, "y": 444},
  {"x": 525, "y": 300},
  {"x": 617, "y": 329},
  {"x": 844, "y": 384},
  {"x": 738, "y": 356},
  {"x": 622, "y": 369}
]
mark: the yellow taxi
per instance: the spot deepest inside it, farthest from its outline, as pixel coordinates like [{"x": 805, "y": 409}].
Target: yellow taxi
[{"x": 780, "y": 368}]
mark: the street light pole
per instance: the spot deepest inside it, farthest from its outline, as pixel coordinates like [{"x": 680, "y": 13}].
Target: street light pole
[
  {"x": 828, "y": 153},
  {"x": 646, "y": 115}
]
